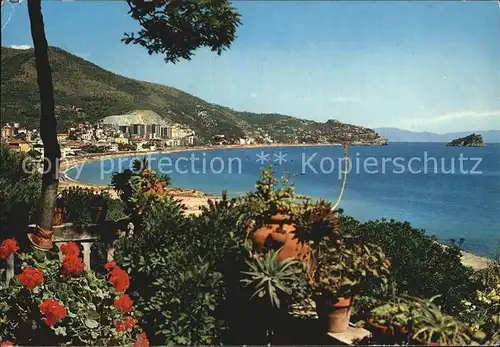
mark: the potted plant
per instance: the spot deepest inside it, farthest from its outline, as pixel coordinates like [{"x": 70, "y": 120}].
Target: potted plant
[
  {"x": 430, "y": 326},
  {"x": 391, "y": 319},
  {"x": 269, "y": 212},
  {"x": 140, "y": 179},
  {"x": 342, "y": 269},
  {"x": 275, "y": 283},
  {"x": 98, "y": 207}
]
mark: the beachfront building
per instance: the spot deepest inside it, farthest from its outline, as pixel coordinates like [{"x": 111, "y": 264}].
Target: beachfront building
[{"x": 121, "y": 140}]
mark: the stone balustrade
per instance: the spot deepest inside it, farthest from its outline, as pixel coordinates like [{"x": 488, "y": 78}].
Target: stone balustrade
[{"x": 84, "y": 235}]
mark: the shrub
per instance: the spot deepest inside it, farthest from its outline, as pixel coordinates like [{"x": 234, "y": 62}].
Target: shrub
[
  {"x": 58, "y": 302},
  {"x": 189, "y": 262},
  {"x": 19, "y": 193},
  {"x": 77, "y": 203},
  {"x": 424, "y": 322},
  {"x": 179, "y": 301},
  {"x": 420, "y": 265},
  {"x": 483, "y": 309}
]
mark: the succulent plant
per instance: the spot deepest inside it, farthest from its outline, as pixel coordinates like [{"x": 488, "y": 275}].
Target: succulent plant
[
  {"x": 395, "y": 313},
  {"x": 430, "y": 324},
  {"x": 272, "y": 278},
  {"x": 344, "y": 267},
  {"x": 270, "y": 198}
]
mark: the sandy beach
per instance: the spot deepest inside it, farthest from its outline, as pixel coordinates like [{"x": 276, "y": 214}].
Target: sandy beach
[{"x": 193, "y": 199}]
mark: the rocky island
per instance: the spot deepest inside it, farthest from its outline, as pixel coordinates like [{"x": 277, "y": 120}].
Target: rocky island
[{"x": 472, "y": 140}]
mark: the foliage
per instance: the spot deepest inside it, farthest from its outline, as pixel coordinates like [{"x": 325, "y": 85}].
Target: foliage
[
  {"x": 273, "y": 279},
  {"x": 126, "y": 147},
  {"x": 77, "y": 203},
  {"x": 482, "y": 310},
  {"x": 424, "y": 321},
  {"x": 185, "y": 289},
  {"x": 95, "y": 149},
  {"x": 34, "y": 154},
  {"x": 420, "y": 265},
  {"x": 431, "y": 325},
  {"x": 317, "y": 222},
  {"x": 346, "y": 268},
  {"x": 130, "y": 184},
  {"x": 19, "y": 192},
  {"x": 271, "y": 197},
  {"x": 116, "y": 210},
  {"x": 48, "y": 302},
  {"x": 395, "y": 313},
  {"x": 177, "y": 28}
]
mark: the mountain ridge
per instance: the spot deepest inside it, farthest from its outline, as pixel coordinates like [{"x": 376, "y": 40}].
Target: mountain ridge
[
  {"x": 86, "y": 92},
  {"x": 402, "y": 135}
]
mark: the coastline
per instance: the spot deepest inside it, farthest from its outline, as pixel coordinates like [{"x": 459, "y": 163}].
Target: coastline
[{"x": 194, "y": 199}]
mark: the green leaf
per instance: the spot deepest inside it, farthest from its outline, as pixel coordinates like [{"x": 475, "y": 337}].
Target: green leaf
[
  {"x": 90, "y": 323},
  {"x": 61, "y": 331}
]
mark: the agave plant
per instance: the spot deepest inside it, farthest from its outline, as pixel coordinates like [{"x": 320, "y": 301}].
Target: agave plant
[
  {"x": 272, "y": 278},
  {"x": 430, "y": 324}
]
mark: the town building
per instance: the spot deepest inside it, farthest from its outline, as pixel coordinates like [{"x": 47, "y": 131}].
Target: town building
[{"x": 19, "y": 145}]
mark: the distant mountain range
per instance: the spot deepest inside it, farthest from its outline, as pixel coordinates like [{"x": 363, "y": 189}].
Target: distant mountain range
[
  {"x": 85, "y": 92},
  {"x": 401, "y": 135}
]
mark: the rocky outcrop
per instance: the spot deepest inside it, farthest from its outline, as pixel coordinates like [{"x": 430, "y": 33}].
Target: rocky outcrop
[{"x": 473, "y": 140}]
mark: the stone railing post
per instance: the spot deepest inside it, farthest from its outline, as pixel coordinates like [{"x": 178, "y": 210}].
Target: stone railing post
[
  {"x": 10, "y": 268},
  {"x": 86, "y": 253}
]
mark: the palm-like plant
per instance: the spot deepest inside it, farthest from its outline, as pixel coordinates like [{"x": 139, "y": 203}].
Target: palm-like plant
[
  {"x": 430, "y": 324},
  {"x": 272, "y": 278}
]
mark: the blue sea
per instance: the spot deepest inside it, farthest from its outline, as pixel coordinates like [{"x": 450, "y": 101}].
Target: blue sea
[{"x": 452, "y": 192}]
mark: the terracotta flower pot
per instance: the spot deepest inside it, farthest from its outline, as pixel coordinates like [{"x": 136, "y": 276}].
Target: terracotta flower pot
[
  {"x": 334, "y": 316},
  {"x": 97, "y": 214},
  {"x": 402, "y": 333},
  {"x": 419, "y": 341},
  {"x": 381, "y": 330},
  {"x": 277, "y": 234},
  {"x": 41, "y": 239}
]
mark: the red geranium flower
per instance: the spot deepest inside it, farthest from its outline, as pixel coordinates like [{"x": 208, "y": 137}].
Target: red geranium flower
[
  {"x": 124, "y": 303},
  {"x": 119, "y": 279},
  {"x": 53, "y": 311},
  {"x": 8, "y": 247},
  {"x": 126, "y": 325},
  {"x": 70, "y": 248},
  {"x": 72, "y": 265},
  {"x": 129, "y": 323},
  {"x": 31, "y": 277},
  {"x": 142, "y": 341},
  {"x": 119, "y": 326},
  {"x": 110, "y": 265},
  {"x": 7, "y": 343}
]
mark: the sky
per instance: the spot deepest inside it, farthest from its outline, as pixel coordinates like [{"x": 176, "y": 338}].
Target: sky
[{"x": 416, "y": 65}]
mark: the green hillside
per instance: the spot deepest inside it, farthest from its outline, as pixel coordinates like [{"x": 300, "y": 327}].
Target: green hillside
[{"x": 86, "y": 92}]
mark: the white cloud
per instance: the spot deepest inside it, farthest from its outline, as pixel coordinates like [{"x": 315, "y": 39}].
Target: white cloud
[
  {"x": 453, "y": 121},
  {"x": 464, "y": 115},
  {"x": 253, "y": 94},
  {"x": 344, "y": 99},
  {"x": 21, "y": 47}
]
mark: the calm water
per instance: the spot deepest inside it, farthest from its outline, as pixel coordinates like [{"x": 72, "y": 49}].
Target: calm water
[{"x": 456, "y": 194}]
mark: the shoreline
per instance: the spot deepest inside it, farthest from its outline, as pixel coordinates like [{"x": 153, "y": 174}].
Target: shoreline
[{"x": 194, "y": 199}]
